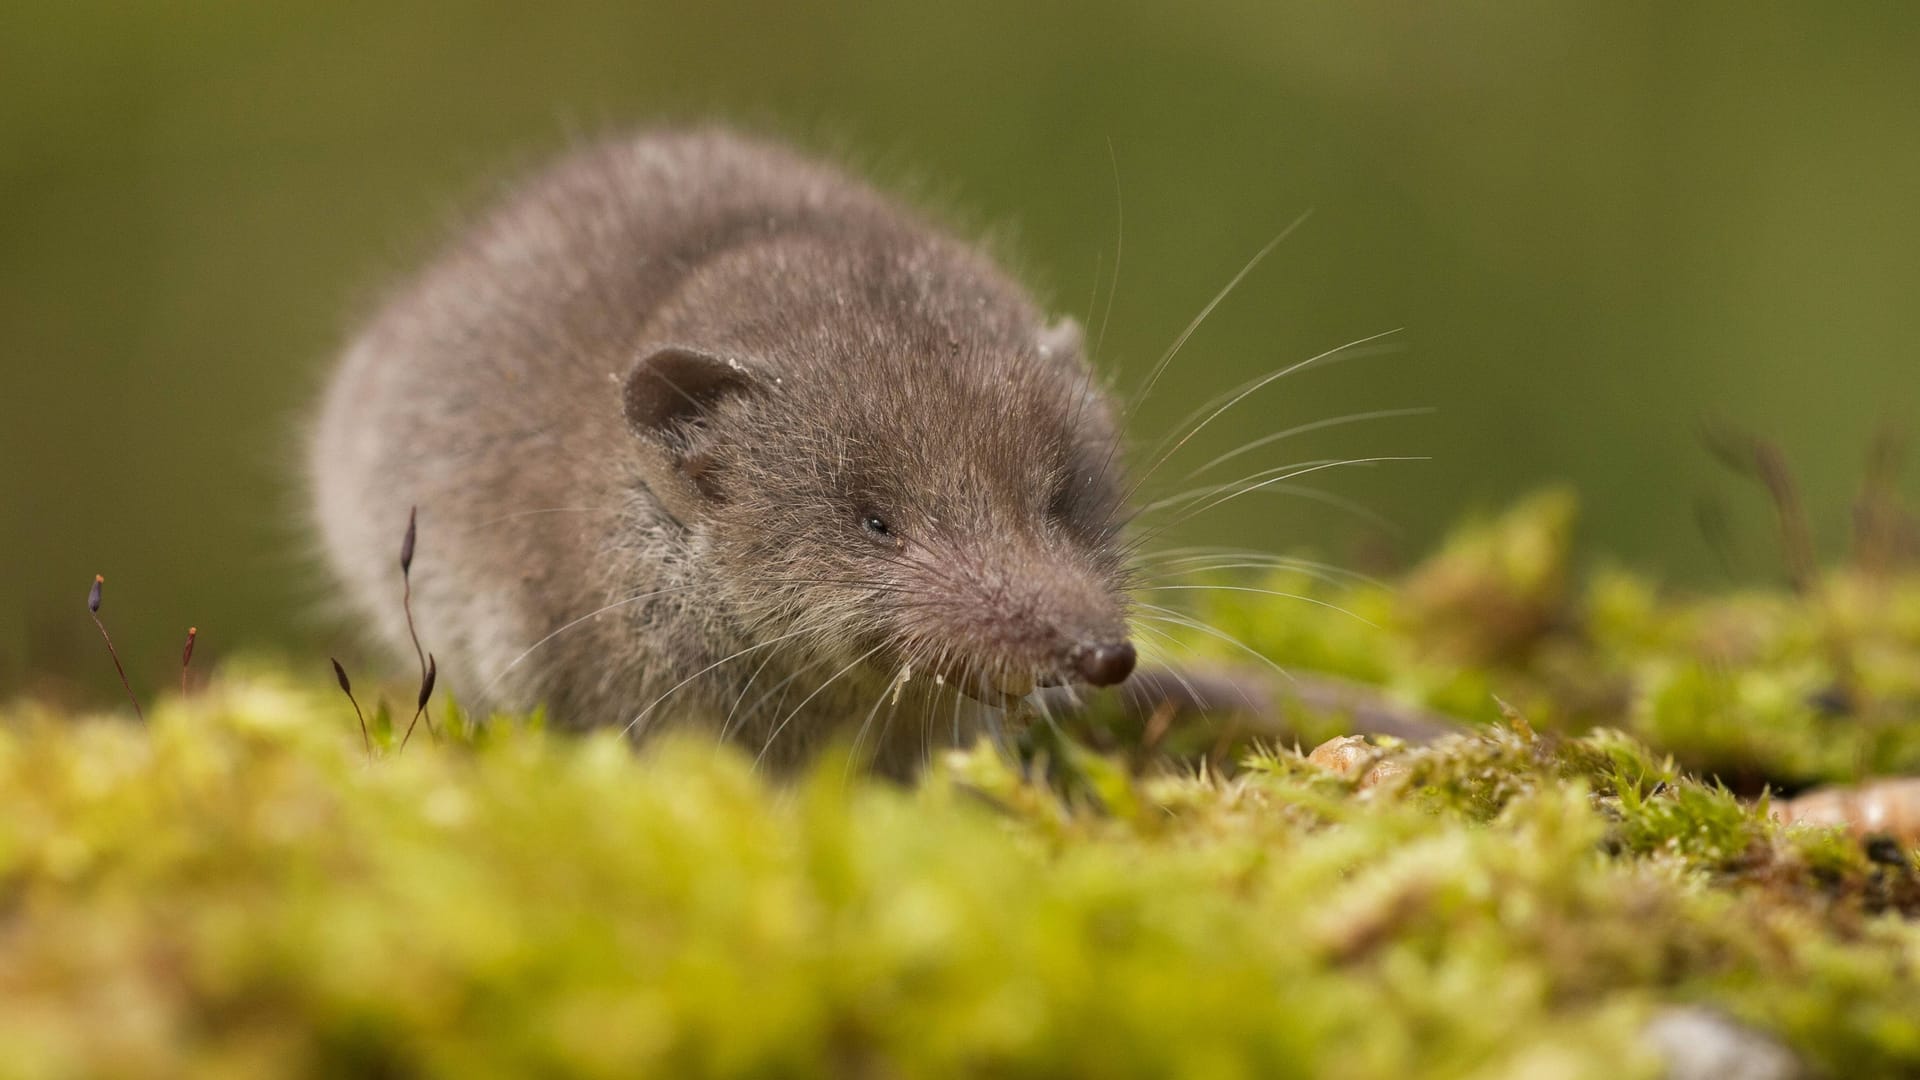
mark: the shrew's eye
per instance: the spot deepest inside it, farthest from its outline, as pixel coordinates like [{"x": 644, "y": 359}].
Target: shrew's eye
[{"x": 876, "y": 527}]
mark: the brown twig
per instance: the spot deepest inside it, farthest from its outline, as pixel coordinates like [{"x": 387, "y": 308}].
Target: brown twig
[
  {"x": 426, "y": 694},
  {"x": 346, "y": 687},
  {"x": 1878, "y": 521},
  {"x": 1765, "y": 463},
  {"x": 186, "y": 657},
  {"x": 93, "y": 612},
  {"x": 1710, "y": 515},
  {"x": 1260, "y": 703},
  {"x": 407, "y": 544}
]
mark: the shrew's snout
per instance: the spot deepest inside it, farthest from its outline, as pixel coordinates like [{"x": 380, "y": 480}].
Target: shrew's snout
[
  {"x": 1009, "y": 616},
  {"x": 1102, "y": 663}
]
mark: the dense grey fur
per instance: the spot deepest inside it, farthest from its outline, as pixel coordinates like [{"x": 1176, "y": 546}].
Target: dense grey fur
[{"x": 687, "y": 368}]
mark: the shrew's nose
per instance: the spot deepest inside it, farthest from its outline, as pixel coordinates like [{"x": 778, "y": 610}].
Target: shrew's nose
[{"x": 1104, "y": 664}]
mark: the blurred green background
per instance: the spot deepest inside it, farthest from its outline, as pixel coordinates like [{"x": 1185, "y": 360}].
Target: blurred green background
[{"x": 1598, "y": 224}]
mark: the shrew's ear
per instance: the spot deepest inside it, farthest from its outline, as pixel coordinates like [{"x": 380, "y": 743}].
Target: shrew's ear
[
  {"x": 675, "y": 386},
  {"x": 669, "y": 396}
]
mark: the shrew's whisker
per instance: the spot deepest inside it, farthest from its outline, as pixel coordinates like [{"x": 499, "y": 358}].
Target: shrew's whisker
[
  {"x": 1240, "y": 394},
  {"x": 795, "y": 711},
  {"x": 1180, "y": 342},
  {"x": 1264, "y": 592},
  {"x": 516, "y": 661},
  {"x": 1177, "y": 618},
  {"x": 1302, "y": 429},
  {"x": 644, "y": 713}
]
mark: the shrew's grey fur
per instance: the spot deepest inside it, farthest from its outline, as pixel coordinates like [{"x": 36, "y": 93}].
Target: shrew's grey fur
[{"x": 705, "y": 432}]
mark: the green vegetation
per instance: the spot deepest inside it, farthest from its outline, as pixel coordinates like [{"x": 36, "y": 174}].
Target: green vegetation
[
  {"x": 239, "y": 888},
  {"x": 1756, "y": 687}
]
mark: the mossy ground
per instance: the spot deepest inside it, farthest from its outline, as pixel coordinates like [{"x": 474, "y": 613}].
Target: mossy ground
[{"x": 238, "y": 888}]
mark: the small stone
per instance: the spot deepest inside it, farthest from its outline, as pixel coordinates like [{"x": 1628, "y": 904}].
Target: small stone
[
  {"x": 1698, "y": 1043},
  {"x": 1344, "y": 755}
]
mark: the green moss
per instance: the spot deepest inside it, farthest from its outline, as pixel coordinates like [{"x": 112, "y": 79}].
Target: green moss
[
  {"x": 240, "y": 889},
  {"x": 1760, "y": 688}
]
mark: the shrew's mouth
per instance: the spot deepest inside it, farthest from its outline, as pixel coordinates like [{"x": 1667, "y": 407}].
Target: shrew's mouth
[
  {"x": 1000, "y": 685},
  {"x": 1006, "y": 686}
]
